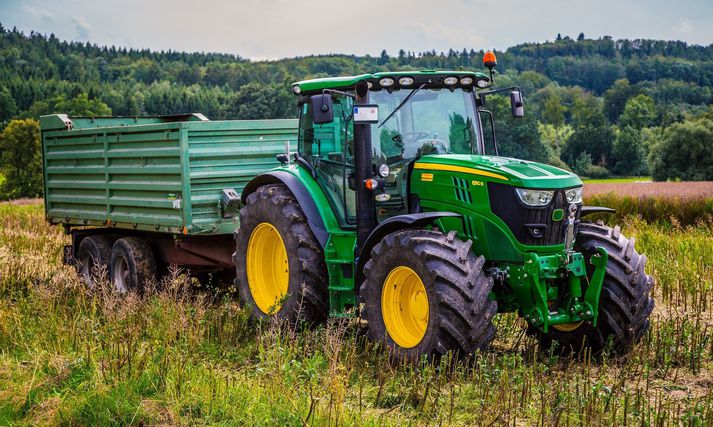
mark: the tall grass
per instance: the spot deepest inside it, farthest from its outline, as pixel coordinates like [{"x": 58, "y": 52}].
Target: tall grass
[
  {"x": 678, "y": 211},
  {"x": 177, "y": 356}
]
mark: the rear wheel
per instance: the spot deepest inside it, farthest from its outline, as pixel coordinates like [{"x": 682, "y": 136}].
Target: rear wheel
[
  {"x": 426, "y": 293},
  {"x": 93, "y": 256},
  {"x": 625, "y": 303},
  {"x": 132, "y": 264},
  {"x": 280, "y": 268}
]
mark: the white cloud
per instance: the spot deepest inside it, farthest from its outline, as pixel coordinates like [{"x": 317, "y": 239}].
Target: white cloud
[
  {"x": 683, "y": 26},
  {"x": 82, "y": 28},
  {"x": 39, "y": 13}
]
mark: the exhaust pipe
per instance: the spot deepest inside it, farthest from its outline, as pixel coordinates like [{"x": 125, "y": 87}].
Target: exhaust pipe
[{"x": 365, "y": 208}]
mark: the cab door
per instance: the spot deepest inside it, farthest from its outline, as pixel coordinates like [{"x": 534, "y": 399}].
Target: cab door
[{"x": 329, "y": 148}]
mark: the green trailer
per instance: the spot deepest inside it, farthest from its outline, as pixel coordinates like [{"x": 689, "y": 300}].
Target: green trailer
[
  {"x": 386, "y": 199},
  {"x": 173, "y": 179}
]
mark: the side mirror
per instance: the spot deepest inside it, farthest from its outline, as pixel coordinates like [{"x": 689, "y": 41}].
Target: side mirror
[
  {"x": 322, "y": 111},
  {"x": 518, "y": 110}
]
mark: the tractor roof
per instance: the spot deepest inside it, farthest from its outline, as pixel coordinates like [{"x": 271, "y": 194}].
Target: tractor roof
[{"x": 431, "y": 77}]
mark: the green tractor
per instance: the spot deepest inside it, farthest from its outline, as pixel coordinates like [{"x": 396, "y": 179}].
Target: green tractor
[{"x": 392, "y": 209}]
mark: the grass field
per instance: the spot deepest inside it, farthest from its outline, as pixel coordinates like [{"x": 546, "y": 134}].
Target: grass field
[
  {"x": 642, "y": 189},
  {"x": 618, "y": 180},
  {"x": 180, "y": 356},
  {"x": 666, "y": 203}
]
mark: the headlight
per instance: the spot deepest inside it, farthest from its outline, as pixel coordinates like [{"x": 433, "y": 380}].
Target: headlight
[
  {"x": 386, "y": 82},
  {"x": 406, "y": 81},
  {"x": 574, "y": 195},
  {"x": 482, "y": 83},
  {"x": 535, "y": 197},
  {"x": 466, "y": 81},
  {"x": 450, "y": 81},
  {"x": 384, "y": 171}
]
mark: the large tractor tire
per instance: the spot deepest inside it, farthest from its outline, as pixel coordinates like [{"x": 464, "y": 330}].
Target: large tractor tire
[
  {"x": 280, "y": 267},
  {"x": 425, "y": 293},
  {"x": 93, "y": 256},
  {"x": 132, "y": 265},
  {"x": 625, "y": 303}
]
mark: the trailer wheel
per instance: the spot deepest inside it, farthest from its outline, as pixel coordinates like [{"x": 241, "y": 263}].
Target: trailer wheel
[
  {"x": 132, "y": 264},
  {"x": 280, "y": 268},
  {"x": 625, "y": 303},
  {"x": 93, "y": 255},
  {"x": 426, "y": 293}
]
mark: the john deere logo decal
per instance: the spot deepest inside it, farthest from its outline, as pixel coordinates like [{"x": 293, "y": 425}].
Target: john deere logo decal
[{"x": 557, "y": 215}]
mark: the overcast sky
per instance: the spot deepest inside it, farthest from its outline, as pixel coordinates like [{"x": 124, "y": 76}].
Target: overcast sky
[{"x": 271, "y": 29}]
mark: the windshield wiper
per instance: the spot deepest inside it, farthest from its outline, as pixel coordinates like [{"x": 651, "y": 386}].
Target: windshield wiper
[{"x": 398, "y": 107}]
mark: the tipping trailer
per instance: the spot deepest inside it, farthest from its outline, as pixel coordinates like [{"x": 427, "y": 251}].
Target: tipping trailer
[
  {"x": 170, "y": 182},
  {"x": 394, "y": 204}
]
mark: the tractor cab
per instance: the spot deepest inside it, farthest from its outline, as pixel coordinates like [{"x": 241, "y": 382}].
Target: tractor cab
[{"x": 415, "y": 114}]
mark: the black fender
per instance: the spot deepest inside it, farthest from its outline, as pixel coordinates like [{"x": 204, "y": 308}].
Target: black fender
[
  {"x": 391, "y": 225},
  {"x": 588, "y": 210},
  {"x": 297, "y": 188}
]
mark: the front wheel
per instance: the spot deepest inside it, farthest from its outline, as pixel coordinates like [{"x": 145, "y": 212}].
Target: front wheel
[
  {"x": 625, "y": 303},
  {"x": 425, "y": 293}
]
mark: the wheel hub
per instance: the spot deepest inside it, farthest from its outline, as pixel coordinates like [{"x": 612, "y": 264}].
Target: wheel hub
[
  {"x": 267, "y": 268},
  {"x": 121, "y": 275},
  {"x": 404, "y": 307}
]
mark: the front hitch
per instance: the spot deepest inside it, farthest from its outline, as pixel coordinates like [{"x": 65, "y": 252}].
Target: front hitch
[{"x": 539, "y": 282}]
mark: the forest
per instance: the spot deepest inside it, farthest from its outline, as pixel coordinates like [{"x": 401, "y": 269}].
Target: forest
[{"x": 599, "y": 107}]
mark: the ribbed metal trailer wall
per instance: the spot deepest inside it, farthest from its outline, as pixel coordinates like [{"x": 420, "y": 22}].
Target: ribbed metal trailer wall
[
  {"x": 154, "y": 176},
  {"x": 228, "y": 155}
]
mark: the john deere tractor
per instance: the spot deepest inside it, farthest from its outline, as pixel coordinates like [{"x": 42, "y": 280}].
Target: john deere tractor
[{"x": 396, "y": 207}]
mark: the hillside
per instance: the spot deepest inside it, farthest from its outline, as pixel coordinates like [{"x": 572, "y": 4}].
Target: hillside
[
  {"x": 36, "y": 67},
  {"x": 576, "y": 90}
]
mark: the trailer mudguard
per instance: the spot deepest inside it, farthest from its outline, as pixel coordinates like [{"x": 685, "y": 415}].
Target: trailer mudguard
[
  {"x": 391, "y": 225},
  {"x": 298, "y": 189}
]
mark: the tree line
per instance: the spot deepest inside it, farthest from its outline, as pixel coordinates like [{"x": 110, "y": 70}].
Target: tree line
[{"x": 595, "y": 106}]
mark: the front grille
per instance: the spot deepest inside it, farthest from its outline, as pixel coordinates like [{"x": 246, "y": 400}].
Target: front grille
[{"x": 530, "y": 225}]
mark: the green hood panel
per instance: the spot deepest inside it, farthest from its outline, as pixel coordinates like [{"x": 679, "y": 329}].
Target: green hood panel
[{"x": 519, "y": 173}]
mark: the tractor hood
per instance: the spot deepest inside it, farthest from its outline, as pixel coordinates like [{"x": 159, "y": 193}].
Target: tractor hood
[{"x": 515, "y": 172}]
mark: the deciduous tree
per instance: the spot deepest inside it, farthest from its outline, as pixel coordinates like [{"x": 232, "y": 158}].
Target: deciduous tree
[
  {"x": 20, "y": 159},
  {"x": 685, "y": 152}
]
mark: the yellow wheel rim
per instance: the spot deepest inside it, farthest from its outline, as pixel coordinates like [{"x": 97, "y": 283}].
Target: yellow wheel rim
[
  {"x": 404, "y": 307},
  {"x": 267, "y": 268}
]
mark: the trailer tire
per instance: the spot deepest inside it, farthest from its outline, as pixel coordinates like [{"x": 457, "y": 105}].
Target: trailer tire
[
  {"x": 280, "y": 267},
  {"x": 132, "y": 265},
  {"x": 450, "y": 286},
  {"x": 93, "y": 257},
  {"x": 625, "y": 303}
]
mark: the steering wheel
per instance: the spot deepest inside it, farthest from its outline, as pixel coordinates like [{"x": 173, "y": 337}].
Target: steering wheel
[
  {"x": 439, "y": 146},
  {"x": 425, "y": 146}
]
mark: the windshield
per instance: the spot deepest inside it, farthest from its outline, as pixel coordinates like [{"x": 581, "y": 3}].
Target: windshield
[{"x": 432, "y": 121}]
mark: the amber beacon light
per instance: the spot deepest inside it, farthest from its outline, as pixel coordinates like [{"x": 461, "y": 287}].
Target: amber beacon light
[{"x": 489, "y": 59}]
